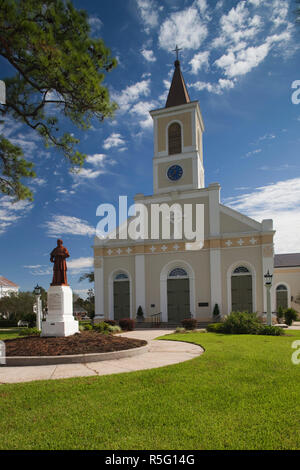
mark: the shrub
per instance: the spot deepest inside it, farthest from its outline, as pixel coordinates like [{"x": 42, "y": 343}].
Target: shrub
[
  {"x": 87, "y": 327},
  {"x": 241, "y": 323},
  {"x": 280, "y": 314},
  {"x": 7, "y": 323},
  {"x": 189, "y": 323},
  {"x": 114, "y": 329},
  {"x": 180, "y": 330},
  {"x": 101, "y": 327},
  {"x": 30, "y": 318},
  {"x": 270, "y": 330},
  {"x": 215, "y": 328},
  {"x": 30, "y": 332},
  {"x": 216, "y": 312},
  {"x": 111, "y": 322},
  {"x": 140, "y": 312},
  {"x": 127, "y": 324},
  {"x": 290, "y": 315}
]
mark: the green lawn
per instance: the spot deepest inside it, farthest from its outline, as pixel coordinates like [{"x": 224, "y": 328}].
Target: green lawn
[
  {"x": 242, "y": 393},
  {"x": 9, "y": 333}
]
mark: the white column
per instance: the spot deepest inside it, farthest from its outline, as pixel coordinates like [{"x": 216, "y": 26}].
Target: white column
[
  {"x": 99, "y": 289},
  {"x": 214, "y": 209},
  {"x": 140, "y": 282},
  {"x": 215, "y": 279},
  {"x": 215, "y": 253},
  {"x": 268, "y": 264}
]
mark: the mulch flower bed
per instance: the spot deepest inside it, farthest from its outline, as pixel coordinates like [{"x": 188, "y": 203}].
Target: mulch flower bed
[{"x": 82, "y": 343}]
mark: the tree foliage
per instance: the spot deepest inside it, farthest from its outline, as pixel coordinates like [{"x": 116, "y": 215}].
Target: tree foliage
[
  {"x": 89, "y": 276},
  {"x": 19, "y": 305},
  {"x": 60, "y": 71},
  {"x": 88, "y": 304}
]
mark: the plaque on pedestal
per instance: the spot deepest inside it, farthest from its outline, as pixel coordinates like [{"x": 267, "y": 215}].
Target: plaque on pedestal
[{"x": 60, "y": 320}]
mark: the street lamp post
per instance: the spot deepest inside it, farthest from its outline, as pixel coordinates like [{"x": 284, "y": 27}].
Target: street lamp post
[
  {"x": 268, "y": 283},
  {"x": 37, "y": 292}
]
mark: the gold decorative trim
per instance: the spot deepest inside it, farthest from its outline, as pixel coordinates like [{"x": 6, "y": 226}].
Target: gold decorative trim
[{"x": 174, "y": 246}]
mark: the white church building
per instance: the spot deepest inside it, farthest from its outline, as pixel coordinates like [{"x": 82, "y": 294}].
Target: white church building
[{"x": 163, "y": 275}]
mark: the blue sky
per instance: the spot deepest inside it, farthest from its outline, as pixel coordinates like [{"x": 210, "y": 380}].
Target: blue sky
[{"x": 239, "y": 59}]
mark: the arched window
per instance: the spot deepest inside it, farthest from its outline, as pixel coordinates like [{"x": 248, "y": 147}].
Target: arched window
[
  {"x": 281, "y": 287},
  {"x": 174, "y": 138},
  {"x": 241, "y": 270},
  {"x": 178, "y": 272},
  {"x": 121, "y": 277}
]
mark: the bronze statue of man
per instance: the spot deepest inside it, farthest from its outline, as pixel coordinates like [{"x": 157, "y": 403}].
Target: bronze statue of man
[{"x": 58, "y": 257}]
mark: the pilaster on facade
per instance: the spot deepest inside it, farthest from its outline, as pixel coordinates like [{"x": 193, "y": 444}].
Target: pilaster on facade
[{"x": 99, "y": 288}]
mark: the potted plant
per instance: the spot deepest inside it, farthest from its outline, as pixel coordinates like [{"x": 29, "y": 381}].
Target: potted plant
[{"x": 140, "y": 314}]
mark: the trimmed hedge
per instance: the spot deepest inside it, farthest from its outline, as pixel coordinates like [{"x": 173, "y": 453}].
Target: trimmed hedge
[
  {"x": 215, "y": 327},
  {"x": 127, "y": 324},
  {"x": 8, "y": 323},
  {"x": 189, "y": 323}
]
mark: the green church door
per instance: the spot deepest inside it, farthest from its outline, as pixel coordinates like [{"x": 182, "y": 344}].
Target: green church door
[
  {"x": 241, "y": 293},
  {"x": 178, "y": 300},
  {"x": 121, "y": 300},
  {"x": 281, "y": 297}
]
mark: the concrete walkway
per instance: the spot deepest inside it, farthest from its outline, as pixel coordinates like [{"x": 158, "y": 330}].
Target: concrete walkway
[{"x": 161, "y": 353}]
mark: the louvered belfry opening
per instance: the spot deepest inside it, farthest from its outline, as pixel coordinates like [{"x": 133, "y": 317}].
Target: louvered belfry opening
[{"x": 174, "y": 135}]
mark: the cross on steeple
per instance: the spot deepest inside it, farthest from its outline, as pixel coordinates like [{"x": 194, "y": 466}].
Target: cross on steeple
[{"x": 177, "y": 50}]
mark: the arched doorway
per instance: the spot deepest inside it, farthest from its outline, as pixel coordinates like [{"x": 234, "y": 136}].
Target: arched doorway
[
  {"x": 241, "y": 290},
  {"x": 121, "y": 296},
  {"x": 178, "y": 294},
  {"x": 281, "y": 296}
]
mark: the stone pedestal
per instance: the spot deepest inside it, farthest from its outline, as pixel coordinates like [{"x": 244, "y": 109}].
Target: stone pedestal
[{"x": 60, "y": 320}]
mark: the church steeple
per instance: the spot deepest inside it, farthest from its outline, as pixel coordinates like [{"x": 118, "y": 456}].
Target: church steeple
[
  {"x": 178, "y": 151},
  {"x": 178, "y": 93}
]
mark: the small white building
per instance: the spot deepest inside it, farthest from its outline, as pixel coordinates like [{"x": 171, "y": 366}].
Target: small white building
[{"x": 7, "y": 287}]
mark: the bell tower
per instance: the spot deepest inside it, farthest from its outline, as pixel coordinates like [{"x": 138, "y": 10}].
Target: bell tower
[{"x": 178, "y": 150}]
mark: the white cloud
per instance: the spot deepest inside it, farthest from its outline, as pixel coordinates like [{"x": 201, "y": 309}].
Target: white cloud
[
  {"x": 238, "y": 24},
  {"x": 39, "y": 181},
  {"x": 185, "y": 27},
  {"x": 78, "y": 264},
  {"x": 148, "y": 55},
  {"x": 142, "y": 109},
  {"x": 243, "y": 61},
  {"x": 66, "y": 225},
  {"x": 217, "y": 88},
  {"x": 279, "y": 201},
  {"x": 252, "y": 152},
  {"x": 131, "y": 94},
  {"x": 114, "y": 140},
  {"x": 95, "y": 23},
  {"x": 199, "y": 61},
  {"x": 149, "y": 13},
  {"x": 11, "y": 212},
  {"x": 97, "y": 159},
  {"x": 89, "y": 173},
  {"x": 74, "y": 265}
]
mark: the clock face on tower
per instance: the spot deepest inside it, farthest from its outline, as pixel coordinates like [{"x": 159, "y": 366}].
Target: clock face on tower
[{"x": 175, "y": 172}]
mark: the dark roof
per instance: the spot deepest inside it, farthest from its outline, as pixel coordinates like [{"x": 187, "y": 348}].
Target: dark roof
[
  {"x": 6, "y": 283},
  {"x": 178, "y": 93},
  {"x": 287, "y": 260}
]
